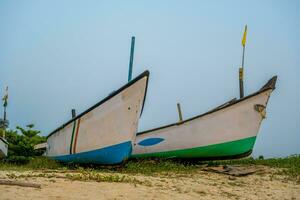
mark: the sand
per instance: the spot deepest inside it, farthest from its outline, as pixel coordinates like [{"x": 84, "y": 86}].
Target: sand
[{"x": 198, "y": 185}]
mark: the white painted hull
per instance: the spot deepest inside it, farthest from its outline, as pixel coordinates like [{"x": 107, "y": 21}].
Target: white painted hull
[
  {"x": 224, "y": 132},
  {"x": 3, "y": 148},
  {"x": 104, "y": 134}
]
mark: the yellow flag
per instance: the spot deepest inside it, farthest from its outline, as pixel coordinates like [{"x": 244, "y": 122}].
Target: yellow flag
[{"x": 244, "y": 37}]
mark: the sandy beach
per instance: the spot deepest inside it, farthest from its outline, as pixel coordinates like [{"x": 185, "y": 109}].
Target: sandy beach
[{"x": 265, "y": 184}]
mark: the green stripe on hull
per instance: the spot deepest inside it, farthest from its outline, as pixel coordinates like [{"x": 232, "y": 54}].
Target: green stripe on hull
[
  {"x": 233, "y": 148},
  {"x": 73, "y": 131}
]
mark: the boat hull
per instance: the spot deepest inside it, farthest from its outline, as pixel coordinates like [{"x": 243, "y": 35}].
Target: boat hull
[
  {"x": 104, "y": 133},
  {"x": 3, "y": 148},
  {"x": 226, "y": 132},
  {"x": 233, "y": 149},
  {"x": 108, "y": 155}
]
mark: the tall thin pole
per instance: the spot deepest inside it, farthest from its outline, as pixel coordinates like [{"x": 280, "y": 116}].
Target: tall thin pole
[
  {"x": 241, "y": 69},
  {"x": 4, "y": 114},
  {"x": 5, "y": 99},
  {"x": 179, "y": 112},
  {"x": 131, "y": 58},
  {"x": 73, "y": 111},
  {"x": 241, "y": 75},
  {"x": 4, "y": 120}
]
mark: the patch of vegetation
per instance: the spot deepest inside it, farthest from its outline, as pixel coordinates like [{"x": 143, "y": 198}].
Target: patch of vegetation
[
  {"x": 43, "y": 163},
  {"x": 31, "y": 175},
  {"x": 37, "y": 163},
  {"x": 157, "y": 166},
  {"x": 145, "y": 167},
  {"x": 88, "y": 176},
  {"x": 289, "y": 167},
  {"x": 21, "y": 146},
  {"x": 84, "y": 176}
]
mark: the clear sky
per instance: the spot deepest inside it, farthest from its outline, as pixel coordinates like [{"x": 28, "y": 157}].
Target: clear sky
[{"x": 58, "y": 55}]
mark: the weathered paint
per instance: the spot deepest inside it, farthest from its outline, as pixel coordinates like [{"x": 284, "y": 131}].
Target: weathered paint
[
  {"x": 224, "y": 128},
  {"x": 112, "y": 123}
]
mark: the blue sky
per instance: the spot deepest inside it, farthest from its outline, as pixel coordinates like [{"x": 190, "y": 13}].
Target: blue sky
[{"x": 59, "y": 55}]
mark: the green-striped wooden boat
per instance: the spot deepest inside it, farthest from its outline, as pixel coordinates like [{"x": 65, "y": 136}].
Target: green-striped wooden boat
[{"x": 228, "y": 131}]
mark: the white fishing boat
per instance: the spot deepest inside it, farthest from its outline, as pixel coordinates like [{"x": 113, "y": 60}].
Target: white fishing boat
[
  {"x": 104, "y": 133},
  {"x": 3, "y": 147},
  {"x": 228, "y": 131}
]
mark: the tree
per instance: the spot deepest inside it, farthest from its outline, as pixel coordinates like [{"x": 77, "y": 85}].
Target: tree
[{"x": 21, "y": 146}]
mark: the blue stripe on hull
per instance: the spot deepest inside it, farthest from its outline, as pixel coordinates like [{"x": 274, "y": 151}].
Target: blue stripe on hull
[{"x": 109, "y": 155}]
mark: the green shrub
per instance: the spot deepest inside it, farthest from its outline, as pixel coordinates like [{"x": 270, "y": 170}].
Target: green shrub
[{"x": 21, "y": 146}]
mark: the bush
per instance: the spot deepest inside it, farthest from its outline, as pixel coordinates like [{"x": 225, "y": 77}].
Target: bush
[{"x": 21, "y": 146}]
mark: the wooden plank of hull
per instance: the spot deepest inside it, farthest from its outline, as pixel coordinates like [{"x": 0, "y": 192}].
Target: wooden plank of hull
[
  {"x": 227, "y": 131},
  {"x": 104, "y": 134},
  {"x": 3, "y": 148}
]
